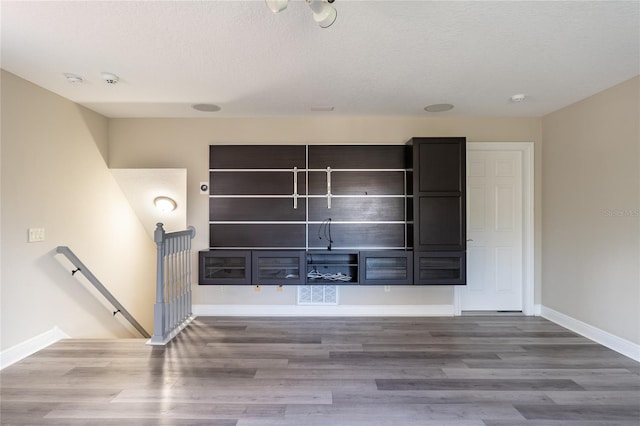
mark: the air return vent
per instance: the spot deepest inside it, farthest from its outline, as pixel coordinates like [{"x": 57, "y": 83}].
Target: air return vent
[{"x": 317, "y": 295}]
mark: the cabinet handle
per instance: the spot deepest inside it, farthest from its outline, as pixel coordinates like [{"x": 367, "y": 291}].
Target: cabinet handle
[
  {"x": 328, "y": 187},
  {"x": 295, "y": 187},
  {"x": 470, "y": 239}
]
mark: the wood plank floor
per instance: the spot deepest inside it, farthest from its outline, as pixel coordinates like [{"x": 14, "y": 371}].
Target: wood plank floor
[{"x": 469, "y": 371}]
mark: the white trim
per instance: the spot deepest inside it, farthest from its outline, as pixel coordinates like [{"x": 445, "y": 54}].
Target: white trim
[
  {"x": 324, "y": 311},
  {"x": 29, "y": 347},
  {"x": 457, "y": 302},
  {"x": 537, "y": 310},
  {"x": 611, "y": 341},
  {"x": 528, "y": 219}
]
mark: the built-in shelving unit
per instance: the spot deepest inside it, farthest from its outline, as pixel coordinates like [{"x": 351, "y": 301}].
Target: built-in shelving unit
[{"x": 336, "y": 214}]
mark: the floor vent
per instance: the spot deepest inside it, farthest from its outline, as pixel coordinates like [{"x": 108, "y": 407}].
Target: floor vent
[{"x": 317, "y": 295}]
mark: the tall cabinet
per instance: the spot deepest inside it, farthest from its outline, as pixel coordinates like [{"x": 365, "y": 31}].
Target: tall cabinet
[{"x": 439, "y": 210}]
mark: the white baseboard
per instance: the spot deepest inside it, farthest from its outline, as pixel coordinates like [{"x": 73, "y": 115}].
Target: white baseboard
[
  {"x": 31, "y": 346},
  {"x": 618, "y": 344},
  {"x": 323, "y": 311},
  {"x": 537, "y": 310}
]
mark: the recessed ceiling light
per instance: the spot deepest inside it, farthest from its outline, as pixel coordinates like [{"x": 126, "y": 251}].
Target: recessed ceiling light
[
  {"x": 321, "y": 108},
  {"x": 206, "y": 107},
  {"x": 73, "y": 78},
  {"x": 438, "y": 108},
  {"x": 518, "y": 98}
]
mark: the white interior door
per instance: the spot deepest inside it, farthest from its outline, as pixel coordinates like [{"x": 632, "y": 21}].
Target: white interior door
[{"x": 494, "y": 232}]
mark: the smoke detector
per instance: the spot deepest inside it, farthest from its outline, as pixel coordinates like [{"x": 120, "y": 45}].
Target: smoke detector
[{"x": 110, "y": 78}]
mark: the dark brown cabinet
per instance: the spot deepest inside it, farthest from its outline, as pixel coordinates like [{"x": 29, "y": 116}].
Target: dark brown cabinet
[
  {"x": 440, "y": 268},
  {"x": 439, "y": 210},
  {"x": 224, "y": 267},
  {"x": 276, "y": 267},
  {"x": 386, "y": 267}
]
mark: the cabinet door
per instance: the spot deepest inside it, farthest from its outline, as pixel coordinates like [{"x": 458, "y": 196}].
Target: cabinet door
[
  {"x": 439, "y": 198},
  {"x": 275, "y": 267},
  {"x": 224, "y": 267},
  {"x": 386, "y": 267},
  {"x": 439, "y": 164},
  {"x": 440, "y": 223},
  {"x": 447, "y": 268}
]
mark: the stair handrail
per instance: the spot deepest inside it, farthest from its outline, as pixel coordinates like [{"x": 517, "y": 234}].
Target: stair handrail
[{"x": 82, "y": 268}]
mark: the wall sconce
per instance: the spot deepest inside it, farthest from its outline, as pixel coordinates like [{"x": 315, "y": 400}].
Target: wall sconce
[{"x": 165, "y": 204}]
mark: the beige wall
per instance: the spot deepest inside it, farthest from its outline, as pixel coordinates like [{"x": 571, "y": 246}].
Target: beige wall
[
  {"x": 183, "y": 143},
  {"x": 591, "y": 202},
  {"x": 54, "y": 176}
]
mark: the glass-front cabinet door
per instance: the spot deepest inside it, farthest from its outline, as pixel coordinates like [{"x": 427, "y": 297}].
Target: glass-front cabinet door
[
  {"x": 278, "y": 267},
  {"x": 386, "y": 267},
  {"x": 224, "y": 267}
]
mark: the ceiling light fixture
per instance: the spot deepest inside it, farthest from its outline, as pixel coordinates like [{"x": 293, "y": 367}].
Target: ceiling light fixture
[
  {"x": 323, "y": 12},
  {"x": 438, "y": 108},
  {"x": 110, "y": 78},
  {"x": 518, "y": 98},
  {"x": 277, "y": 6},
  {"x": 206, "y": 107},
  {"x": 165, "y": 204},
  {"x": 73, "y": 78}
]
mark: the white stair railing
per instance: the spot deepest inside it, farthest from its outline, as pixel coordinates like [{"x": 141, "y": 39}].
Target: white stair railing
[{"x": 172, "y": 311}]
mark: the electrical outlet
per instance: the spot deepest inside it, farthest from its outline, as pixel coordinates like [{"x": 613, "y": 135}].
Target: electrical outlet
[
  {"x": 35, "y": 235},
  {"x": 387, "y": 288}
]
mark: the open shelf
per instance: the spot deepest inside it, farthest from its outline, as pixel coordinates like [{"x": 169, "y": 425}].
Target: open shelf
[{"x": 332, "y": 267}]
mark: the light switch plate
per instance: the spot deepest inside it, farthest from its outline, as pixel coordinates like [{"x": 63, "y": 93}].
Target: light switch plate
[{"x": 36, "y": 235}]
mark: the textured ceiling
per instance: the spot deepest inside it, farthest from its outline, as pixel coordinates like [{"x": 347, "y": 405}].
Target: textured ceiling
[{"x": 388, "y": 58}]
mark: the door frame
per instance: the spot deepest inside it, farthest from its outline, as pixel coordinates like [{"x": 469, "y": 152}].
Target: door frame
[{"x": 528, "y": 248}]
